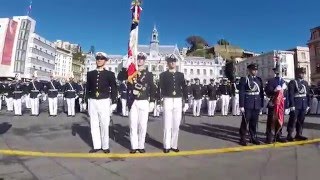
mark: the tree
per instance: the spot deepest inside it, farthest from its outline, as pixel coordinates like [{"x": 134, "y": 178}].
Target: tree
[
  {"x": 230, "y": 69},
  {"x": 196, "y": 42},
  {"x": 223, "y": 42}
]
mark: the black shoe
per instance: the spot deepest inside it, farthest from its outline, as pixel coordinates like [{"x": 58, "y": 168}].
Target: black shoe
[
  {"x": 281, "y": 140},
  {"x": 243, "y": 142},
  {"x": 142, "y": 151},
  {"x": 268, "y": 140},
  {"x": 94, "y": 150},
  {"x": 166, "y": 150},
  {"x": 290, "y": 138},
  {"x": 106, "y": 151},
  {"x": 133, "y": 151},
  {"x": 255, "y": 141},
  {"x": 175, "y": 150},
  {"x": 301, "y": 138}
]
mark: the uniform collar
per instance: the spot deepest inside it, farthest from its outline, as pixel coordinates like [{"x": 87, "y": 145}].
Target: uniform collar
[{"x": 172, "y": 70}]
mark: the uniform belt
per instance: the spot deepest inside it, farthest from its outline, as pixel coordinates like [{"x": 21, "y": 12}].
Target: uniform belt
[
  {"x": 252, "y": 93},
  {"x": 71, "y": 90},
  {"x": 53, "y": 90},
  {"x": 300, "y": 95},
  {"x": 34, "y": 90},
  {"x": 17, "y": 91}
]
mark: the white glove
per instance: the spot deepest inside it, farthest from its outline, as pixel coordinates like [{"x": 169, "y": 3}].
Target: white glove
[
  {"x": 242, "y": 109},
  {"x": 151, "y": 106},
  {"x": 307, "y": 110},
  {"x": 278, "y": 88},
  {"x": 186, "y": 107},
  {"x": 292, "y": 109},
  {"x": 284, "y": 86},
  {"x": 113, "y": 107}
]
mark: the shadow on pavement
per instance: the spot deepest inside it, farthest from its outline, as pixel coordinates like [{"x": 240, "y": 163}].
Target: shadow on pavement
[
  {"x": 122, "y": 135},
  {"x": 4, "y": 127},
  {"x": 83, "y": 132},
  {"x": 227, "y": 133},
  {"x": 309, "y": 125}
]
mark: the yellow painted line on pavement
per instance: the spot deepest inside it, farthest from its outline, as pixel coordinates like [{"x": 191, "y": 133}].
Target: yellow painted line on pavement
[{"x": 156, "y": 154}]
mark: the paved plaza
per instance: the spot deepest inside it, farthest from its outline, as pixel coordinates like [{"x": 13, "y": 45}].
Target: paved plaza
[{"x": 62, "y": 134}]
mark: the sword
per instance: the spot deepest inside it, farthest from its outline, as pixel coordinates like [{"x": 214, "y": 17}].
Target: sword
[
  {"x": 247, "y": 124},
  {"x": 112, "y": 127},
  {"x": 183, "y": 117}
]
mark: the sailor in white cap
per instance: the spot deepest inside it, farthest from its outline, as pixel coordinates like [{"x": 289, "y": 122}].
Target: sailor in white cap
[
  {"x": 225, "y": 91},
  {"x": 34, "y": 89},
  {"x": 141, "y": 97},
  {"x": 235, "y": 97},
  {"x": 17, "y": 95},
  {"x": 101, "y": 93},
  {"x": 173, "y": 90},
  {"x": 70, "y": 90},
  {"x": 53, "y": 87}
]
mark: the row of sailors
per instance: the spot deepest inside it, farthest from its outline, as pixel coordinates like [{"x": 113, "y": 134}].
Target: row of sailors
[{"x": 14, "y": 91}]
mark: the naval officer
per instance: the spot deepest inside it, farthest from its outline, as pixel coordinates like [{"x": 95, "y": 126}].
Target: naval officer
[
  {"x": 142, "y": 93},
  {"x": 299, "y": 104},
  {"x": 101, "y": 92},
  {"x": 173, "y": 89},
  {"x": 251, "y": 96}
]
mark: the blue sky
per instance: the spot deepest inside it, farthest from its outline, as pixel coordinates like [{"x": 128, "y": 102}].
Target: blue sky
[{"x": 257, "y": 25}]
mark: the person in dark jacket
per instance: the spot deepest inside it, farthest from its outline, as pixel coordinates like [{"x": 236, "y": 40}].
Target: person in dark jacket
[
  {"x": 53, "y": 88},
  {"x": 35, "y": 87},
  {"x": 71, "y": 90},
  {"x": 213, "y": 95}
]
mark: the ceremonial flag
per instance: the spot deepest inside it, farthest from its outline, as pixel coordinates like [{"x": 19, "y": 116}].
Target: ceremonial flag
[
  {"x": 131, "y": 63},
  {"x": 278, "y": 101}
]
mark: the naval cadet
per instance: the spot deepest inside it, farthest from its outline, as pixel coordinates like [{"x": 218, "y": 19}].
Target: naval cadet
[
  {"x": 53, "y": 88},
  {"x": 213, "y": 95},
  {"x": 81, "y": 89},
  {"x": 225, "y": 91},
  {"x": 17, "y": 95},
  {"x": 235, "y": 97},
  {"x": 174, "y": 92},
  {"x": 71, "y": 90},
  {"x": 34, "y": 90},
  {"x": 124, "y": 95},
  {"x": 2, "y": 91},
  {"x": 273, "y": 86},
  {"x": 101, "y": 93},
  {"x": 9, "y": 95},
  {"x": 299, "y": 104},
  {"x": 250, "y": 102},
  {"x": 197, "y": 93},
  {"x": 142, "y": 92}
]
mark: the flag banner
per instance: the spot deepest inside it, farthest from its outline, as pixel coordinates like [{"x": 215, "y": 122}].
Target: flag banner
[
  {"x": 8, "y": 43},
  {"x": 131, "y": 63},
  {"x": 278, "y": 113}
]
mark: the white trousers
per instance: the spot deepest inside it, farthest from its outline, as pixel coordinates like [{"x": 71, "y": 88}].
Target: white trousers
[
  {"x": 235, "y": 105},
  {"x": 27, "y": 101},
  {"x": 172, "y": 114},
  {"x": 71, "y": 106},
  {"x": 53, "y": 106},
  {"x": 124, "y": 107},
  {"x": 34, "y": 106},
  {"x": 157, "y": 109},
  {"x": 225, "y": 104},
  {"x": 82, "y": 105},
  {"x": 0, "y": 103},
  {"x": 314, "y": 106},
  {"x": 318, "y": 108},
  {"x": 17, "y": 106},
  {"x": 197, "y": 107},
  {"x": 212, "y": 104},
  {"x": 139, "y": 114},
  {"x": 99, "y": 122},
  {"x": 9, "y": 102}
]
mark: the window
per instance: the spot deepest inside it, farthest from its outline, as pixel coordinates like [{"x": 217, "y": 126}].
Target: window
[
  {"x": 40, "y": 67},
  {"x": 34, "y": 67},
  {"x": 204, "y": 72},
  {"x": 198, "y": 71},
  {"x": 191, "y": 71},
  {"x": 303, "y": 55},
  {"x": 153, "y": 67},
  {"x": 204, "y": 81},
  {"x": 185, "y": 71},
  {"x": 110, "y": 69},
  {"x": 317, "y": 51},
  {"x": 211, "y": 72}
]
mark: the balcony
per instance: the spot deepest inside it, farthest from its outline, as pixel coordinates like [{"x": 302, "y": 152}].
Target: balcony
[{"x": 41, "y": 63}]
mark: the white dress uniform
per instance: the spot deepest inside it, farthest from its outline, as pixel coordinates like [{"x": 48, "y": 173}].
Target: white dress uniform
[
  {"x": 213, "y": 96},
  {"x": 173, "y": 89},
  {"x": 17, "y": 95},
  {"x": 235, "y": 99},
  {"x": 123, "y": 94},
  {"x": 197, "y": 93},
  {"x": 82, "y": 104},
  {"x": 9, "y": 96},
  {"x": 34, "y": 90},
  {"x": 139, "y": 93},
  {"x": 2, "y": 91},
  {"x": 70, "y": 90},
  {"x": 225, "y": 91},
  {"x": 53, "y": 88},
  {"x": 314, "y": 106},
  {"x": 101, "y": 90}
]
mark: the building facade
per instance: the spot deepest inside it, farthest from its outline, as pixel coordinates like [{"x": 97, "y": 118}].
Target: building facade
[
  {"x": 23, "y": 51},
  {"x": 202, "y": 68},
  {"x": 267, "y": 62},
  {"x": 302, "y": 59},
  {"x": 74, "y": 48},
  {"x": 314, "y": 48},
  {"x": 63, "y": 66}
]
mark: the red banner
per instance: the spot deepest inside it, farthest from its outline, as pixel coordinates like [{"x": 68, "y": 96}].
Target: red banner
[{"x": 8, "y": 43}]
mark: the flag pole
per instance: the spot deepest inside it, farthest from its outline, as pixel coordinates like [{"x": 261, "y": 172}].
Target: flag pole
[{"x": 29, "y": 8}]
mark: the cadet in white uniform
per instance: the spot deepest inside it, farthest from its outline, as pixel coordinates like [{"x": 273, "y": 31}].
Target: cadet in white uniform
[
  {"x": 34, "y": 90},
  {"x": 235, "y": 97},
  {"x": 101, "y": 92},
  {"x": 140, "y": 102},
  {"x": 173, "y": 89}
]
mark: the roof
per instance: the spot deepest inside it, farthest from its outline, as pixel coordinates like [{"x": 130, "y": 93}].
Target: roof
[{"x": 163, "y": 49}]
